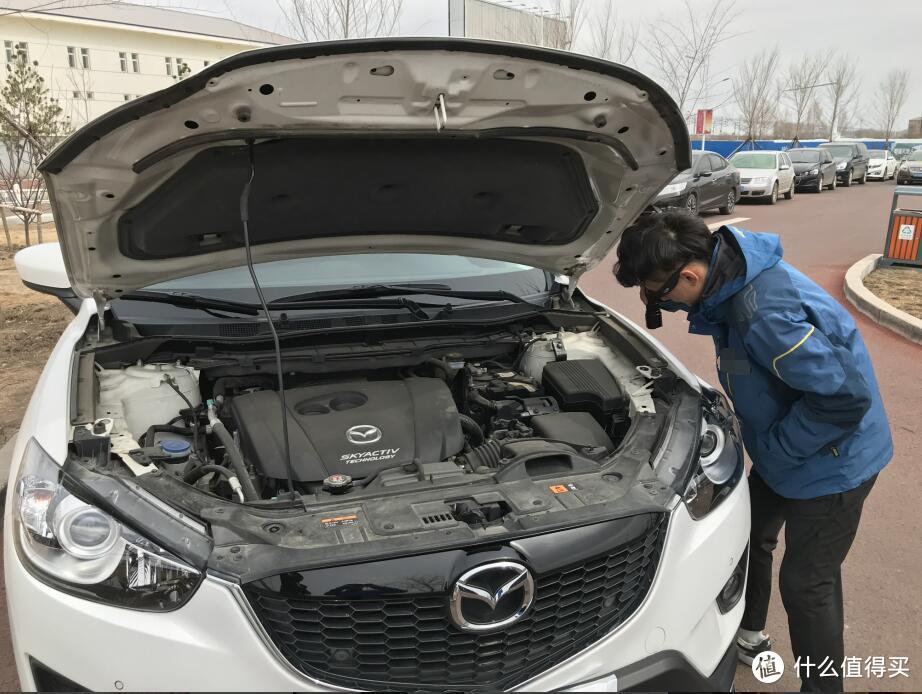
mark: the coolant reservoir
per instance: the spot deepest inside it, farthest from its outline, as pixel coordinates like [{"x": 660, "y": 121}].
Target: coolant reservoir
[{"x": 137, "y": 397}]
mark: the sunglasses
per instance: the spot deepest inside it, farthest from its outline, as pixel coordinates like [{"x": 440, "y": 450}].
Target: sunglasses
[{"x": 654, "y": 314}]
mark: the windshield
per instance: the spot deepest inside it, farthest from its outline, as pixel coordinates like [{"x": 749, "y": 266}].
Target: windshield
[
  {"x": 915, "y": 156},
  {"x": 843, "y": 151},
  {"x": 299, "y": 275},
  {"x": 751, "y": 160},
  {"x": 877, "y": 153},
  {"x": 804, "y": 156}
]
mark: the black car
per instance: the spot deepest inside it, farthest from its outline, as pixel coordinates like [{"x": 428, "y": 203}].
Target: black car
[
  {"x": 910, "y": 170},
  {"x": 814, "y": 169},
  {"x": 851, "y": 161},
  {"x": 711, "y": 183}
]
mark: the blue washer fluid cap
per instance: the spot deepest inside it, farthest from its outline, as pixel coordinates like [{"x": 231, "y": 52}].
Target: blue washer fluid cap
[{"x": 175, "y": 447}]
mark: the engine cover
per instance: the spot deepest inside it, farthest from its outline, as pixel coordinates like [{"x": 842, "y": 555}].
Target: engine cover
[{"x": 354, "y": 428}]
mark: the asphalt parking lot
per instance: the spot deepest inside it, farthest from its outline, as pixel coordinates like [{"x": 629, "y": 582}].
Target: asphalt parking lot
[{"x": 822, "y": 235}]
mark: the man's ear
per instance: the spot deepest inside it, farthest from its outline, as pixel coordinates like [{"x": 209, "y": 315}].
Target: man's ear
[{"x": 692, "y": 275}]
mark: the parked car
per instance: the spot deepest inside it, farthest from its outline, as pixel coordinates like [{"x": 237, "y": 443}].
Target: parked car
[
  {"x": 814, "y": 169},
  {"x": 910, "y": 170},
  {"x": 420, "y": 457},
  {"x": 711, "y": 183},
  {"x": 882, "y": 164},
  {"x": 851, "y": 161},
  {"x": 765, "y": 175}
]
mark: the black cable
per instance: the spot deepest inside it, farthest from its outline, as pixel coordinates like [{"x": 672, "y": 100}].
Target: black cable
[
  {"x": 172, "y": 384},
  {"x": 245, "y": 220}
]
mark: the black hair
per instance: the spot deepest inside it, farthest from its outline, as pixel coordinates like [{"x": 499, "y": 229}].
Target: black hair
[{"x": 657, "y": 244}]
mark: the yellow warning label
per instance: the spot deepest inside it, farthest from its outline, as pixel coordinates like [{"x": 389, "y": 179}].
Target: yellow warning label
[{"x": 558, "y": 489}]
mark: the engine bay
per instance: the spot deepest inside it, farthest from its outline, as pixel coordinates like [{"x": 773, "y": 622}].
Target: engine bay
[{"x": 562, "y": 399}]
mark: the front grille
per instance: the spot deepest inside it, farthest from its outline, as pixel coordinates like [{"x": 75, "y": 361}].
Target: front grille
[{"x": 410, "y": 641}]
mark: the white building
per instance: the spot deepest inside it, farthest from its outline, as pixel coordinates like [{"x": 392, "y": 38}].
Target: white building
[
  {"x": 95, "y": 56},
  {"x": 500, "y": 20}
]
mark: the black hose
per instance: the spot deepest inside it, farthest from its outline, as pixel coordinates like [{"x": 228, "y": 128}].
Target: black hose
[
  {"x": 487, "y": 455},
  {"x": 477, "y": 398},
  {"x": 195, "y": 474},
  {"x": 172, "y": 384},
  {"x": 236, "y": 458},
  {"x": 147, "y": 439},
  {"x": 441, "y": 366},
  {"x": 472, "y": 429}
]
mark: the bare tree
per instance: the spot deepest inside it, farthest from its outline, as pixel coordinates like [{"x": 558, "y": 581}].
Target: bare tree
[
  {"x": 325, "y": 20},
  {"x": 563, "y": 24},
  {"x": 843, "y": 90},
  {"x": 800, "y": 84},
  {"x": 30, "y": 124},
  {"x": 613, "y": 38},
  {"x": 891, "y": 99},
  {"x": 756, "y": 93},
  {"x": 680, "y": 48}
]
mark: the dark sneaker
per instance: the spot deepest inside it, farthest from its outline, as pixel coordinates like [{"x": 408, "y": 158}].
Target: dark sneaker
[{"x": 747, "y": 651}]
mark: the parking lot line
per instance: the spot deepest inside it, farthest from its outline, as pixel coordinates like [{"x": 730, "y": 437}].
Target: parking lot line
[{"x": 716, "y": 225}]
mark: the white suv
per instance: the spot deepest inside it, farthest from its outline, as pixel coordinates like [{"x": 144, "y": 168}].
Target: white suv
[{"x": 414, "y": 456}]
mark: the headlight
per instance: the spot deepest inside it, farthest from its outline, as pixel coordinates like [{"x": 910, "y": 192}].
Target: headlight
[
  {"x": 841, "y": 165},
  {"x": 77, "y": 548},
  {"x": 813, "y": 172},
  {"x": 759, "y": 181},
  {"x": 674, "y": 188},
  {"x": 720, "y": 458}
]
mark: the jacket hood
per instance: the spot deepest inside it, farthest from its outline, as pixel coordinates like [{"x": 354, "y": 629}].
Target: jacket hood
[
  {"x": 450, "y": 146},
  {"x": 750, "y": 254}
]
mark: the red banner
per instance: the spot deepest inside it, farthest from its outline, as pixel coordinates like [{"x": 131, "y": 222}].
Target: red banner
[{"x": 704, "y": 122}]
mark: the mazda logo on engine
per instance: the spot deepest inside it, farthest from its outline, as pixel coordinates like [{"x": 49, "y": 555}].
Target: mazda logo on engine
[
  {"x": 363, "y": 434},
  {"x": 492, "y": 596}
]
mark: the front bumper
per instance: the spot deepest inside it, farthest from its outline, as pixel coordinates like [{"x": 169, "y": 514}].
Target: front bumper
[
  {"x": 671, "y": 201},
  {"x": 748, "y": 190},
  {"x": 214, "y": 642},
  {"x": 667, "y": 671},
  {"x": 807, "y": 181}
]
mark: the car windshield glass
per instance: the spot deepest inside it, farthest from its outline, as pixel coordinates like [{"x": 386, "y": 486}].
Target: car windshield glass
[
  {"x": 840, "y": 150},
  {"x": 751, "y": 160},
  {"x": 915, "y": 156},
  {"x": 300, "y": 275},
  {"x": 877, "y": 154},
  {"x": 804, "y": 156}
]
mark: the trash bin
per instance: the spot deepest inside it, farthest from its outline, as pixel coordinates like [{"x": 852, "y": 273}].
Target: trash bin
[{"x": 904, "y": 230}]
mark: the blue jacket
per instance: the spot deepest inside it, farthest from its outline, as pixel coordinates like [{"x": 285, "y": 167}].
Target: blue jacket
[{"x": 794, "y": 364}]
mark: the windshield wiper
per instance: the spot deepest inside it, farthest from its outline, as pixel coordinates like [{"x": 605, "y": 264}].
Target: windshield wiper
[
  {"x": 384, "y": 290},
  {"x": 206, "y": 304},
  {"x": 194, "y": 302}
]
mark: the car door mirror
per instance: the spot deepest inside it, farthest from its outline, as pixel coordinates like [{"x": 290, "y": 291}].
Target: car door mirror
[{"x": 41, "y": 268}]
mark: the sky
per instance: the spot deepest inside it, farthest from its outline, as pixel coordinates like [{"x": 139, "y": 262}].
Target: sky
[{"x": 871, "y": 32}]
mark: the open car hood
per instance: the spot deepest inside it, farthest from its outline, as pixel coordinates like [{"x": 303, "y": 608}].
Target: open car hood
[{"x": 450, "y": 146}]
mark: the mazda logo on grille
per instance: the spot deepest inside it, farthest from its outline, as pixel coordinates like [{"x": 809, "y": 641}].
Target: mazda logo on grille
[
  {"x": 492, "y": 596},
  {"x": 363, "y": 434}
]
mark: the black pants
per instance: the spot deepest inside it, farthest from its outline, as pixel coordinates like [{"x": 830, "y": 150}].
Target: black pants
[{"x": 818, "y": 534}]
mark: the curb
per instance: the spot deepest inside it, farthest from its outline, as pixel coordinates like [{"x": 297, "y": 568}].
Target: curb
[{"x": 875, "y": 308}]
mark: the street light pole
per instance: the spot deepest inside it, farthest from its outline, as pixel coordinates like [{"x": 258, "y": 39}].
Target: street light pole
[{"x": 703, "y": 136}]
